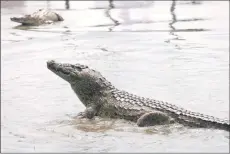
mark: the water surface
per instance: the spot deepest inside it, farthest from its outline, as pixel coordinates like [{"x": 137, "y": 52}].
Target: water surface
[{"x": 172, "y": 51}]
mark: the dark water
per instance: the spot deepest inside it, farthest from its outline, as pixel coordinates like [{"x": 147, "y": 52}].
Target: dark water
[{"x": 172, "y": 51}]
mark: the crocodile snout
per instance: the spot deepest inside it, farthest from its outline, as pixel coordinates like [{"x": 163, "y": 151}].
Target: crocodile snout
[
  {"x": 50, "y": 63},
  {"x": 14, "y": 19}
]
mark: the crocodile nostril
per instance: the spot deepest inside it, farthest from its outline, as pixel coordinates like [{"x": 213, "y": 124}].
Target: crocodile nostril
[{"x": 51, "y": 64}]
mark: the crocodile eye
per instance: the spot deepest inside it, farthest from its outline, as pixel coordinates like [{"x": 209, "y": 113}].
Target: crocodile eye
[{"x": 76, "y": 67}]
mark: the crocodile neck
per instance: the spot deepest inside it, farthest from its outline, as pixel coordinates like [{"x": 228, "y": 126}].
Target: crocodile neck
[{"x": 94, "y": 92}]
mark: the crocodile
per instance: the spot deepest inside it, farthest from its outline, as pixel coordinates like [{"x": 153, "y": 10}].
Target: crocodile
[
  {"x": 40, "y": 17},
  {"x": 103, "y": 99}
]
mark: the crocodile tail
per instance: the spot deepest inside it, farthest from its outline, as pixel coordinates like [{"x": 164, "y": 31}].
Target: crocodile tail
[
  {"x": 189, "y": 118},
  {"x": 59, "y": 17},
  {"x": 203, "y": 121}
]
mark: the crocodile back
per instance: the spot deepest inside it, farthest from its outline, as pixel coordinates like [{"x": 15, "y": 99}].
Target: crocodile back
[{"x": 181, "y": 115}]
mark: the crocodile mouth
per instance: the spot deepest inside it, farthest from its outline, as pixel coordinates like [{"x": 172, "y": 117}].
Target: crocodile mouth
[
  {"x": 26, "y": 20},
  {"x": 17, "y": 19},
  {"x": 56, "y": 68}
]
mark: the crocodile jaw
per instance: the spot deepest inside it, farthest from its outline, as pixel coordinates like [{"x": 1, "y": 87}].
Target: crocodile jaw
[
  {"x": 25, "y": 21},
  {"x": 64, "y": 71}
]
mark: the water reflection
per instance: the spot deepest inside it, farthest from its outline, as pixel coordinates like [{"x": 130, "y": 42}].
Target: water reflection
[
  {"x": 126, "y": 16},
  {"x": 48, "y": 4},
  {"x": 108, "y": 14},
  {"x": 173, "y": 31},
  {"x": 196, "y": 2},
  {"x": 171, "y": 25},
  {"x": 67, "y": 4},
  {"x": 174, "y": 20},
  {"x": 129, "y": 15}
]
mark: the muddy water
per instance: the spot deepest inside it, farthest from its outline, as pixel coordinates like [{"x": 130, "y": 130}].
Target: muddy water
[{"x": 172, "y": 51}]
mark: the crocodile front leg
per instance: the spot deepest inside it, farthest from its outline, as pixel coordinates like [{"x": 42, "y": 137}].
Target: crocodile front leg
[
  {"x": 154, "y": 118},
  {"x": 89, "y": 113}
]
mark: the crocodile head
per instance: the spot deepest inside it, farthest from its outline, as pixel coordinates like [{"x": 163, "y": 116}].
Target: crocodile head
[
  {"x": 42, "y": 16},
  {"x": 26, "y": 20},
  {"x": 72, "y": 73},
  {"x": 86, "y": 83}
]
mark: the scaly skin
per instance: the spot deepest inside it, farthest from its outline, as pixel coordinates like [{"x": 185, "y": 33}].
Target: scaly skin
[
  {"x": 38, "y": 18},
  {"x": 102, "y": 99}
]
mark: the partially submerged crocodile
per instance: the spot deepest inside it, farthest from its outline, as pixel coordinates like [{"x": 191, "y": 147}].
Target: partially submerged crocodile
[
  {"x": 102, "y": 99},
  {"x": 39, "y": 17}
]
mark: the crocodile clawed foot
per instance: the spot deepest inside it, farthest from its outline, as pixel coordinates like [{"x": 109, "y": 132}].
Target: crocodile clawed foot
[
  {"x": 49, "y": 22},
  {"x": 81, "y": 115},
  {"x": 89, "y": 113}
]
